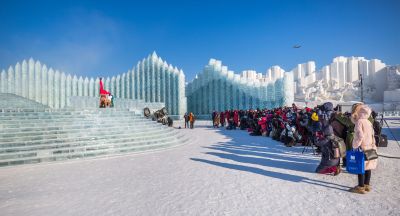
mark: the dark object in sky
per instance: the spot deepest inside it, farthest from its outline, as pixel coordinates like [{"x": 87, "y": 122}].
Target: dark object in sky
[{"x": 296, "y": 46}]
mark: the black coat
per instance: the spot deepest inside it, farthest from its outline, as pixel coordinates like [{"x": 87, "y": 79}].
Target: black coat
[{"x": 327, "y": 156}]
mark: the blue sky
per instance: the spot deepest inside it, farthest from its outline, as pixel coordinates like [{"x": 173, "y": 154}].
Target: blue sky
[{"x": 103, "y": 38}]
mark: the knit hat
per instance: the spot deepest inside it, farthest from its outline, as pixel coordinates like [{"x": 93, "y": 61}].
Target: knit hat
[{"x": 314, "y": 116}]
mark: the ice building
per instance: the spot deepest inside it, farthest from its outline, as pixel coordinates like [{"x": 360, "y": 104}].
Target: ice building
[
  {"x": 218, "y": 88},
  {"x": 153, "y": 80}
]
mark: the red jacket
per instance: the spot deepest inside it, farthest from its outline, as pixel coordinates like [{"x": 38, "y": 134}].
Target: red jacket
[{"x": 236, "y": 117}]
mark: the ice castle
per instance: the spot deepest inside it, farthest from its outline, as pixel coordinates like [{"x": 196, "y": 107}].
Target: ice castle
[
  {"x": 152, "y": 81},
  {"x": 47, "y": 115},
  {"x": 218, "y": 88}
]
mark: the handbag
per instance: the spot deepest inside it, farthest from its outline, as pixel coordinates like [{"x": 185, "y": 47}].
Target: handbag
[
  {"x": 370, "y": 154},
  {"x": 355, "y": 161}
]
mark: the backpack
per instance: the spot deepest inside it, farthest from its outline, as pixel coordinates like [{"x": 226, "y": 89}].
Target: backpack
[
  {"x": 346, "y": 131},
  {"x": 339, "y": 147}
]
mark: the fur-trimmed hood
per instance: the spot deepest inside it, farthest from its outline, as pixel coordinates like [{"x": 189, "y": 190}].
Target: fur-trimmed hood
[{"x": 361, "y": 112}]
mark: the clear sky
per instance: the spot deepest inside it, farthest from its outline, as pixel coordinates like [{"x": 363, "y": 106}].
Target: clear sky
[{"x": 103, "y": 38}]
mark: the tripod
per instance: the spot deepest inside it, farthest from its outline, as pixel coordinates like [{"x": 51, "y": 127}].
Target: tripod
[
  {"x": 383, "y": 120},
  {"x": 310, "y": 144}
]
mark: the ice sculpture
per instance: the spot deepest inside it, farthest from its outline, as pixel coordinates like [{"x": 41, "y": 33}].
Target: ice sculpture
[
  {"x": 152, "y": 80},
  {"x": 218, "y": 89},
  {"x": 340, "y": 80}
]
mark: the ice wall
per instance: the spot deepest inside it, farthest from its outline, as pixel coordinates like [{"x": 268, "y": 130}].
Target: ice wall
[
  {"x": 152, "y": 80},
  {"x": 218, "y": 89}
]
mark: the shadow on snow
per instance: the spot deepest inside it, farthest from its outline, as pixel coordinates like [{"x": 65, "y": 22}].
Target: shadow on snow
[{"x": 265, "y": 152}]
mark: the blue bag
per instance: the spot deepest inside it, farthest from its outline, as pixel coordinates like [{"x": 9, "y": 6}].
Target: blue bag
[{"x": 355, "y": 162}]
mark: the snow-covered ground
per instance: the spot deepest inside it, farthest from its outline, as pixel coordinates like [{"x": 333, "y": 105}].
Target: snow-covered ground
[{"x": 219, "y": 173}]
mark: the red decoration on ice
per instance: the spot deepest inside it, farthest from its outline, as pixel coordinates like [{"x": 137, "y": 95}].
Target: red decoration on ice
[{"x": 102, "y": 91}]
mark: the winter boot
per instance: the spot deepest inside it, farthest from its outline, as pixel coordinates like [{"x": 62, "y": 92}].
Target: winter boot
[
  {"x": 338, "y": 170},
  {"x": 367, "y": 188},
  {"x": 358, "y": 189}
]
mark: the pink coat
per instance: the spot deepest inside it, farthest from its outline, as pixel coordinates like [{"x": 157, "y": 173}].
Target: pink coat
[{"x": 364, "y": 133}]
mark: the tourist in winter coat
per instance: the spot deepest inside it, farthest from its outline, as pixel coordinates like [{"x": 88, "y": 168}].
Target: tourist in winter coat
[
  {"x": 329, "y": 164},
  {"x": 213, "y": 114},
  {"x": 216, "y": 120},
  {"x": 364, "y": 138},
  {"x": 222, "y": 119},
  {"x": 227, "y": 115},
  {"x": 236, "y": 118},
  {"x": 325, "y": 114},
  {"x": 191, "y": 120},
  {"x": 186, "y": 118}
]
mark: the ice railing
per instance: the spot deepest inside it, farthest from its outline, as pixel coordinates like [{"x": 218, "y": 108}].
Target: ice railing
[{"x": 389, "y": 114}]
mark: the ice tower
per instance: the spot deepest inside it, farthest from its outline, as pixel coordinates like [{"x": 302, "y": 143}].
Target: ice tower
[{"x": 217, "y": 88}]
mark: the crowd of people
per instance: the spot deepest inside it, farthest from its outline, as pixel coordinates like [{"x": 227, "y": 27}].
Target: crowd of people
[{"x": 325, "y": 127}]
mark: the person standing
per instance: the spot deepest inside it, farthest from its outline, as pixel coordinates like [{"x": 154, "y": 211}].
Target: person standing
[
  {"x": 222, "y": 119},
  {"x": 186, "y": 118},
  {"x": 236, "y": 118},
  {"x": 216, "y": 120},
  {"x": 364, "y": 138},
  {"x": 191, "y": 119}
]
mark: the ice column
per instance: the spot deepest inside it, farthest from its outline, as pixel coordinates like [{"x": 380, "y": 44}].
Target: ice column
[
  {"x": 31, "y": 80},
  {"x": 3, "y": 82},
  {"x": 44, "y": 85},
  {"x": 158, "y": 71},
  {"x": 24, "y": 83},
  {"x": 50, "y": 89},
  {"x": 80, "y": 86},
  {"x": 117, "y": 86},
  {"x": 38, "y": 83},
  {"x": 68, "y": 90},
  {"x": 56, "y": 95},
  {"x": 113, "y": 87},
  {"x": 75, "y": 86},
  {"x": 142, "y": 81},
  {"x": 288, "y": 89},
  {"x": 18, "y": 80},
  {"x": 128, "y": 85},
  {"x": 133, "y": 84},
  {"x": 11, "y": 80},
  {"x": 63, "y": 97},
  {"x": 92, "y": 92},
  {"x": 122, "y": 84}
]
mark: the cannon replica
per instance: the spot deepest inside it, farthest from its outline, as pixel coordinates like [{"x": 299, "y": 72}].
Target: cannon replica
[{"x": 161, "y": 116}]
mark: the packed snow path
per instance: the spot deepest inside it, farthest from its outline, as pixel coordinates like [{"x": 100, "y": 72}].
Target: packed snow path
[{"x": 220, "y": 172}]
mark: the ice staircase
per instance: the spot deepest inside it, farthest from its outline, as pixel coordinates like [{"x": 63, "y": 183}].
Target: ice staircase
[
  {"x": 38, "y": 135},
  {"x": 14, "y": 103}
]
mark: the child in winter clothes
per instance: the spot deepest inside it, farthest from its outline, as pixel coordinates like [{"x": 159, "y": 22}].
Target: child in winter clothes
[{"x": 364, "y": 138}]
